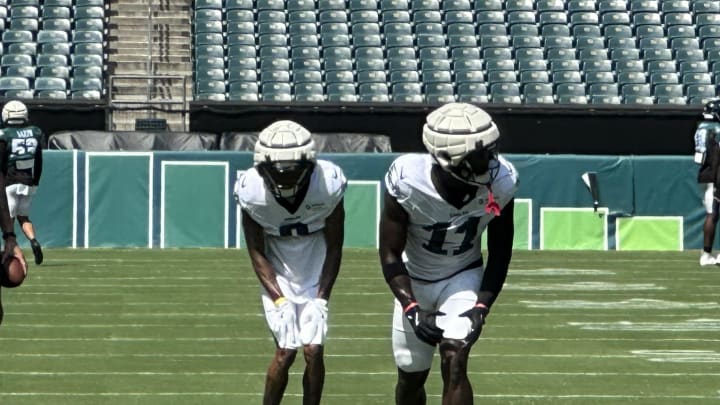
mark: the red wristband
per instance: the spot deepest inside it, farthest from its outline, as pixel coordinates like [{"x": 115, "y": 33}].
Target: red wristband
[{"x": 410, "y": 306}]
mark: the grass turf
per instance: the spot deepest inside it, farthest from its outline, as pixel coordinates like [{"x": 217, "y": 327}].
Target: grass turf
[{"x": 118, "y": 326}]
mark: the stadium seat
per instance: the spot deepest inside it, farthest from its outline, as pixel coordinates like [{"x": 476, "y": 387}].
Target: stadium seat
[
  {"x": 55, "y": 49},
  {"x": 8, "y": 83},
  {"x": 309, "y": 92},
  {"x": 341, "y": 92},
  {"x": 505, "y": 93},
  {"x": 538, "y": 93},
  {"x": 439, "y": 93},
  {"x": 79, "y": 71},
  {"x": 27, "y": 72},
  {"x": 292, "y": 5},
  {"x": 54, "y": 71},
  {"x": 472, "y": 93}
]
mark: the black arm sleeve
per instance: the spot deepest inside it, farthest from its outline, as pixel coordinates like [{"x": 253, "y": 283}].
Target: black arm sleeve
[
  {"x": 37, "y": 170},
  {"x": 500, "y": 234}
]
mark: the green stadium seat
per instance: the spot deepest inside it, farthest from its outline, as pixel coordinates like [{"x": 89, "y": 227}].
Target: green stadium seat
[
  {"x": 404, "y": 76},
  {"x": 373, "y": 93},
  {"x": 55, "y": 49},
  {"x": 617, "y": 31},
  {"x": 309, "y": 92},
  {"x": 394, "y": 16},
  {"x": 81, "y": 71},
  {"x": 371, "y": 76},
  {"x": 20, "y": 71},
  {"x": 211, "y": 74},
  {"x": 499, "y": 64},
  {"x": 87, "y": 36},
  {"x": 22, "y": 48},
  {"x": 341, "y": 92},
  {"x": 50, "y": 94},
  {"x": 90, "y": 3},
  {"x": 538, "y": 93},
  {"x": 266, "y": 16},
  {"x": 635, "y": 89},
  {"x": 550, "y": 42},
  {"x": 90, "y": 24},
  {"x": 564, "y": 65},
  {"x": 243, "y": 91},
  {"x": 206, "y": 89},
  {"x": 240, "y": 5},
  {"x": 472, "y": 93},
  {"x": 664, "y": 78},
  {"x": 439, "y": 93},
  {"x": 50, "y": 83},
  {"x": 406, "y": 93},
  {"x": 516, "y": 30},
  {"x": 559, "y": 54},
  {"x": 88, "y": 60},
  {"x": 567, "y": 77},
  {"x": 505, "y": 93},
  {"x": 54, "y": 71},
  {"x": 696, "y": 93},
  {"x": 651, "y": 55},
  {"x": 13, "y": 83},
  {"x": 209, "y": 51},
  {"x": 241, "y": 75},
  {"x": 552, "y": 30},
  {"x": 16, "y": 60},
  {"x": 307, "y": 76},
  {"x": 364, "y": 16},
  {"x": 626, "y": 78}
]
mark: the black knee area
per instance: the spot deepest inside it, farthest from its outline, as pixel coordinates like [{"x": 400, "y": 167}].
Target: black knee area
[
  {"x": 22, "y": 219},
  {"x": 452, "y": 345},
  {"x": 715, "y": 211}
]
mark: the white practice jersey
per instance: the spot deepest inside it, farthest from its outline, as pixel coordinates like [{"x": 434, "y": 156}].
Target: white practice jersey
[
  {"x": 442, "y": 239},
  {"x": 293, "y": 243}
]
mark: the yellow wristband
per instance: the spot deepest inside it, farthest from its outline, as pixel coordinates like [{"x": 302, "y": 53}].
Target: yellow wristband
[{"x": 280, "y": 301}]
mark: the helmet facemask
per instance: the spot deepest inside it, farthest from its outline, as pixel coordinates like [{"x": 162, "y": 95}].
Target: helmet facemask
[
  {"x": 286, "y": 179},
  {"x": 478, "y": 167}
]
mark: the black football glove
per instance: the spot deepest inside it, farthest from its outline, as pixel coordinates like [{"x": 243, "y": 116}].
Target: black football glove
[
  {"x": 423, "y": 323},
  {"x": 477, "y": 315}
]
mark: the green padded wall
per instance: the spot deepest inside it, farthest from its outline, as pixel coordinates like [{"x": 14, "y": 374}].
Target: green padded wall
[
  {"x": 118, "y": 199},
  {"x": 194, "y": 204},
  {"x": 649, "y": 233}
]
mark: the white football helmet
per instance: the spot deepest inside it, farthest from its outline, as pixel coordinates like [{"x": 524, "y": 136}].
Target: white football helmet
[
  {"x": 463, "y": 140},
  {"x": 14, "y": 113},
  {"x": 284, "y": 157}
]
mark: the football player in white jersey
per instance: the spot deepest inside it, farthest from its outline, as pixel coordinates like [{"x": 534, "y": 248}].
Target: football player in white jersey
[
  {"x": 436, "y": 207},
  {"x": 293, "y": 222}
]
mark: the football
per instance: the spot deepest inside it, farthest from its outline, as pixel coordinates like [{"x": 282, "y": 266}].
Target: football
[{"x": 15, "y": 271}]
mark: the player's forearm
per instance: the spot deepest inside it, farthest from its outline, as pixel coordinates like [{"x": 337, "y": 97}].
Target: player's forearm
[
  {"x": 493, "y": 281},
  {"x": 330, "y": 271}
]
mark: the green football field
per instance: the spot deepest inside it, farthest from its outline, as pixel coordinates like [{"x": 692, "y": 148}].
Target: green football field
[{"x": 184, "y": 327}]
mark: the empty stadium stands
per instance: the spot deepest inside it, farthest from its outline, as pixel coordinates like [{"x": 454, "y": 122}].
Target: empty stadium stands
[
  {"x": 45, "y": 44},
  {"x": 414, "y": 51}
]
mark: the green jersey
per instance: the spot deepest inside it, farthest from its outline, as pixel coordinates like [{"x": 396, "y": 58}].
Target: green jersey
[{"x": 23, "y": 148}]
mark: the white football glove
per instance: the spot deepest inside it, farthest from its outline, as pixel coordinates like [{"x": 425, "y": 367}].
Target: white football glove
[
  {"x": 313, "y": 321},
  {"x": 284, "y": 325},
  {"x": 700, "y": 145}
]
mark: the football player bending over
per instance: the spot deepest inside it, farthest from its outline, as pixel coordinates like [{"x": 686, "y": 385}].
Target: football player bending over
[
  {"x": 293, "y": 222},
  {"x": 436, "y": 208}
]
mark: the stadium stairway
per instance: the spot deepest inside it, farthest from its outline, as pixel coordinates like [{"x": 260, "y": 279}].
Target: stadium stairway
[{"x": 128, "y": 55}]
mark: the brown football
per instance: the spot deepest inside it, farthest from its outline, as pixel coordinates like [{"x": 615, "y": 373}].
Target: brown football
[{"x": 16, "y": 272}]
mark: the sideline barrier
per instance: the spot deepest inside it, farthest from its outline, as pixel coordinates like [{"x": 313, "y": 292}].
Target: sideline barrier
[{"x": 184, "y": 199}]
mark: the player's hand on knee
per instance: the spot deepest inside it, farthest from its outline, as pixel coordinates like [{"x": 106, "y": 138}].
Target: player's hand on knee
[
  {"x": 477, "y": 315},
  {"x": 313, "y": 320},
  {"x": 285, "y": 328},
  {"x": 424, "y": 323}
]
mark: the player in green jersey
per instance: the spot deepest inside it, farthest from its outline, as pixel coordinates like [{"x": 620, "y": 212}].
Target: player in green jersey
[{"x": 23, "y": 165}]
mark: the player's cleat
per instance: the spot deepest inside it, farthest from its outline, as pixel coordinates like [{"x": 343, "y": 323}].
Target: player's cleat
[
  {"x": 37, "y": 251},
  {"x": 706, "y": 259}
]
